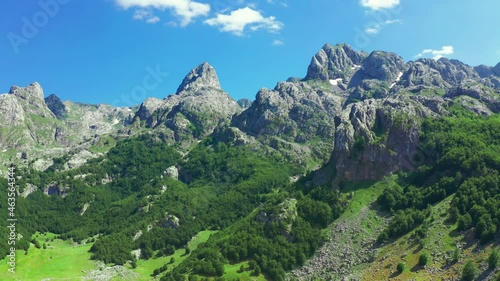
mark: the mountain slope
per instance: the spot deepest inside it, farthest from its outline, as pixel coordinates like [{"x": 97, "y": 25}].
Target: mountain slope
[
  {"x": 320, "y": 177},
  {"x": 193, "y": 112}
]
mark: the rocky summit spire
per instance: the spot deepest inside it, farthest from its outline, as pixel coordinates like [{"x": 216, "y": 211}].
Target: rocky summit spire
[
  {"x": 31, "y": 99},
  {"x": 332, "y": 62},
  {"x": 32, "y": 92},
  {"x": 202, "y": 76},
  {"x": 496, "y": 69}
]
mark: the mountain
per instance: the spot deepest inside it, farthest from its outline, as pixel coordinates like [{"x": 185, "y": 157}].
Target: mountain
[
  {"x": 350, "y": 98},
  {"x": 310, "y": 121},
  {"x": 193, "y": 112},
  {"x": 368, "y": 168},
  {"x": 39, "y": 128}
]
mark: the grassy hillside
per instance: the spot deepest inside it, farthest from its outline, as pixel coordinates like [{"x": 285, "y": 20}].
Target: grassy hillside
[
  {"x": 60, "y": 259},
  {"x": 231, "y": 213}
]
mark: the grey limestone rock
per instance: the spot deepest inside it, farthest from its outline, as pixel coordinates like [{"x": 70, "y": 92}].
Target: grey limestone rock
[{"x": 332, "y": 62}]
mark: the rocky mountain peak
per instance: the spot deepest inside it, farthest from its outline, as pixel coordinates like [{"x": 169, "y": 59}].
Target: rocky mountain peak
[
  {"x": 244, "y": 103},
  {"x": 31, "y": 99},
  {"x": 496, "y": 69},
  {"x": 333, "y": 62},
  {"x": 56, "y": 106},
  {"x": 484, "y": 70},
  {"x": 202, "y": 76},
  {"x": 32, "y": 92},
  {"x": 383, "y": 66}
]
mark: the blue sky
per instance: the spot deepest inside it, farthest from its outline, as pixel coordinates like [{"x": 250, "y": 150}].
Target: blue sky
[{"x": 120, "y": 51}]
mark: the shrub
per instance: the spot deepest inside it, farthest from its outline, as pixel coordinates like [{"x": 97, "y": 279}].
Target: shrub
[
  {"x": 493, "y": 259},
  {"x": 423, "y": 259},
  {"x": 256, "y": 271},
  {"x": 469, "y": 271},
  {"x": 456, "y": 255},
  {"x": 400, "y": 267}
]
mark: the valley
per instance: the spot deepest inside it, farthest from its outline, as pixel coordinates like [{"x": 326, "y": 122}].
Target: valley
[{"x": 390, "y": 172}]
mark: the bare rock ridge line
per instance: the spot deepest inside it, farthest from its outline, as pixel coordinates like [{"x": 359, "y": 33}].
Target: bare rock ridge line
[{"x": 351, "y": 107}]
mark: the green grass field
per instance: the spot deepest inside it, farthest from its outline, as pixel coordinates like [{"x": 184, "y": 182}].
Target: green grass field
[
  {"x": 61, "y": 260},
  {"x": 65, "y": 261},
  {"x": 146, "y": 267}
]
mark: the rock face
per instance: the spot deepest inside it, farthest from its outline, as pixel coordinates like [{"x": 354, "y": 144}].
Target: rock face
[
  {"x": 31, "y": 99},
  {"x": 382, "y": 66},
  {"x": 496, "y": 69},
  {"x": 197, "y": 108},
  {"x": 12, "y": 111},
  {"x": 55, "y": 105},
  {"x": 21, "y": 111},
  {"x": 296, "y": 118},
  {"x": 378, "y": 137},
  {"x": 333, "y": 62},
  {"x": 203, "y": 76},
  {"x": 364, "y": 108},
  {"x": 358, "y": 113},
  {"x": 244, "y": 103},
  {"x": 39, "y": 128}
]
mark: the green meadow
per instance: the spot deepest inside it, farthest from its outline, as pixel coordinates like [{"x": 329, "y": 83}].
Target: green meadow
[{"x": 61, "y": 260}]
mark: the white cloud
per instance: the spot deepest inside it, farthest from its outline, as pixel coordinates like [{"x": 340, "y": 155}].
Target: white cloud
[
  {"x": 437, "y": 54},
  {"x": 186, "y": 10},
  {"x": 147, "y": 16},
  {"x": 379, "y": 4},
  {"x": 387, "y": 22},
  {"x": 375, "y": 28},
  {"x": 154, "y": 19},
  {"x": 278, "y": 43},
  {"x": 236, "y": 21},
  {"x": 282, "y": 3}
]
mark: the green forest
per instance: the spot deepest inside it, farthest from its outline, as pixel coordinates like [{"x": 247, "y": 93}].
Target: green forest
[{"x": 261, "y": 217}]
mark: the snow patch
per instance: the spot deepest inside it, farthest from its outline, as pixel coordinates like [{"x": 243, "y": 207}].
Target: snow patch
[
  {"x": 355, "y": 66},
  {"x": 84, "y": 209},
  {"x": 335, "y": 82},
  {"x": 400, "y": 74}
]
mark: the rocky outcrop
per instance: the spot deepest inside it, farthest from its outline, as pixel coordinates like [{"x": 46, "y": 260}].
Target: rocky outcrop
[
  {"x": 55, "y": 105},
  {"x": 295, "y": 118},
  {"x": 484, "y": 71},
  {"x": 496, "y": 70},
  {"x": 244, "y": 103},
  {"x": 12, "y": 113},
  {"x": 172, "y": 172},
  {"x": 453, "y": 71},
  {"x": 25, "y": 118},
  {"x": 443, "y": 73},
  {"x": 382, "y": 66},
  {"x": 420, "y": 74},
  {"x": 43, "y": 128},
  {"x": 147, "y": 108},
  {"x": 357, "y": 111},
  {"x": 293, "y": 111},
  {"x": 485, "y": 99},
  {"x": 198, "y": 107},
  {"x": 31, "y": 99},
  {"x": 375, "y": 138},
  {"x": 203, "y": 76},
  {"x": 332, "y": 62}
]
